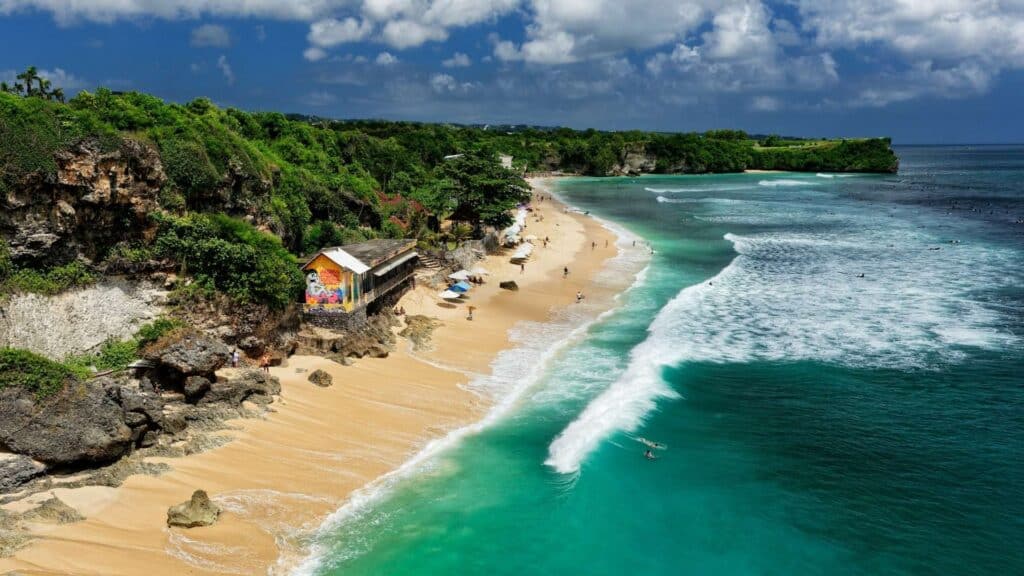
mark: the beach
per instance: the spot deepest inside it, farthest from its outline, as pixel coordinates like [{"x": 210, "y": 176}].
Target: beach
[{"x": 282, "y": 475}]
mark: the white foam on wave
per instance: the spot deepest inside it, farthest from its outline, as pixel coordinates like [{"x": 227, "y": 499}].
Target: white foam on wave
[
  {"x": 823, "y": 175},
  {"x": 784, "y": 182},
  {"x": 797, "y": 296},
  {"x": 708, "y": 188},
  {"x": 513, "y": 372}
]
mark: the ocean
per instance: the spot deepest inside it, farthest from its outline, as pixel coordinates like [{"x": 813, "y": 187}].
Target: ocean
[{"x": 832, "y": 363}]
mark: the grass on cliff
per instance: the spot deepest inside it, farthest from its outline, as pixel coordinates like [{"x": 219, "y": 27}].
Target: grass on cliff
[
  {"x": 31, "y": 371},
  {"x": 118, "y": 354}
]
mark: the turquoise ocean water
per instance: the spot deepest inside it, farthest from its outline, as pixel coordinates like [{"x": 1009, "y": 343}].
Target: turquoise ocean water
[{"x": 817, "y": 421}]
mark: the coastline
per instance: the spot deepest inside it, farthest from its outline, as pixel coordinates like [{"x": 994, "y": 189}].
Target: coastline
[{"x": 282, "y": 476}]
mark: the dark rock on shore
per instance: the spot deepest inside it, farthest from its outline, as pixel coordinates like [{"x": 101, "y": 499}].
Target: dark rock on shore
[
  {"x": 321, "y": 378},
  {"x": 198, "y": 511},
  {"x": 509, "y": 285},
  {"x": 252, "y": 385},
  {"x": 192, "y": 355},
  {"x": 16, "y": 470},
  {"x": 79, "y": 425}
]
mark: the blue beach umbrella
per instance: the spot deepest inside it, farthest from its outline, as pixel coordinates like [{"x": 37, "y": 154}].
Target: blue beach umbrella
[{"x": 460, "y": 287}]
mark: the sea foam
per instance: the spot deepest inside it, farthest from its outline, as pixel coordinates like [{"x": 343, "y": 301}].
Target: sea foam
[
  {"x": 784, "y": 182},
  {"x": 798, "y": 296},
  {"x": 514, "y": 372}
]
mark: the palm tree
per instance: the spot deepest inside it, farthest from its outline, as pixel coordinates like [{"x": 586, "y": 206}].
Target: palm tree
[
  {"x": 58, "y": 95},
  {"x": 30, "y": 75}
]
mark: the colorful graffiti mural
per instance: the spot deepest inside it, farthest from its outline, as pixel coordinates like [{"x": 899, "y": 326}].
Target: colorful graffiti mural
[{"x": 328, "y": 286}]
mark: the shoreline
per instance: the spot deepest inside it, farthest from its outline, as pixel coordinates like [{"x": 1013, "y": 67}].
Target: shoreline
[{"x": 321, "y": 451}]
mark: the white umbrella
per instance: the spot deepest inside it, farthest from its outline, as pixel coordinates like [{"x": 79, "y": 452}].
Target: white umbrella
[
  {"x": 449, "y": 295},
  {"x": 480, "y": 271},
  {"x": 460, "y": 275}
]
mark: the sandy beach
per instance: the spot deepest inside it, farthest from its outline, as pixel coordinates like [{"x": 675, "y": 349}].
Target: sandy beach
[{"x": 282, "y": 475}]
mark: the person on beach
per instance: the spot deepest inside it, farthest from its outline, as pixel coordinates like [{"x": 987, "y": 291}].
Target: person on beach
[
  {"x": 565, "y": 272},
  {"x": 234, "y": 358},
  {"x": 522, "y": 268},
  {"x": 579, "y": 297},
  {"x": 593, "y": 245},
  {"x": 470, "y": 315},
  {"x": 265, "y": 363}
]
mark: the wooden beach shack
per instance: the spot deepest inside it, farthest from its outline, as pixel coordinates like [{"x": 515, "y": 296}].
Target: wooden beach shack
[{"x": 345, "y": 283}]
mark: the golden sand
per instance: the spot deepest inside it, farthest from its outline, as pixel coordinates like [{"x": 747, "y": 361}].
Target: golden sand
[{"x": 283, "y": 475}]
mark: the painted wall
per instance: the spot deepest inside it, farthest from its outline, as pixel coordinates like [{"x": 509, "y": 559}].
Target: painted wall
[{"x": 329, "y": 286}]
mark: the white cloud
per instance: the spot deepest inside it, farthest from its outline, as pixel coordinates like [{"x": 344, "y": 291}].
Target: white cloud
[
  {"x": 385, "y": 59},
  {"x": 331, "y": 32},
  {"x": 225, "y": 69},
  {"x": 209, "y": 35},
  {"x": 314, "y": 54},
  {"x": 765, "y": 104},
  {"x": 447, "y": 84},
  {"x": 404, "y": 34},
  {"x": 458, "y": 60},
  {"x": 67, "y": 12}
]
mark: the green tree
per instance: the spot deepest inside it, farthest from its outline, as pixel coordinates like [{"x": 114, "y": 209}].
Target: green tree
[{"x": 481, "y": 191}]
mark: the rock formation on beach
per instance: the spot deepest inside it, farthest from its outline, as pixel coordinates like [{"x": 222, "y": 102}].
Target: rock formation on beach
[{"x": 197, "y": 511}]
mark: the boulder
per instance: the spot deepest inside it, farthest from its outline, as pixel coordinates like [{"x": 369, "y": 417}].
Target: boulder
[
  {"x": 321, "y": 378},
  {"x": 509, "y": 285},
  {"x": 242, "y": 385},
  {"x": 193, "y": 355},
  {"x": 198, "y": 511},
  {"x": 196, "y": 387},
  {"x": 80, "y": 425},
  {"x": 16, "y": 470}
]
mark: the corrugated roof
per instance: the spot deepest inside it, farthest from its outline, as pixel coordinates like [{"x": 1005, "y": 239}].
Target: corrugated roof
[{"x": 345, "y": 260}]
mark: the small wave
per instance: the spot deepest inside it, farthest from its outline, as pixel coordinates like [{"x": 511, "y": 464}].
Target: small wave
[
  {"x": 822, "y": 175},
  {"x": 709, "y": 188},
  {"x": 784, "y": 182}
]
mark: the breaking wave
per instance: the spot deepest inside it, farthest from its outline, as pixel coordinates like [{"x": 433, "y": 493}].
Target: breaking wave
[
  {"x": 792, "y": 297},
  {"x": 784, "y": 182}
]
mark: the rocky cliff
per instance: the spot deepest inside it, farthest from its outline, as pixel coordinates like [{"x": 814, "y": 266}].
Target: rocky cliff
[{"x": 96, "y": 199}]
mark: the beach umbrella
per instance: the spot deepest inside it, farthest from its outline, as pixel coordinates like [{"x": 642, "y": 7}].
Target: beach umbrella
[
  {"x": 460, "y": 275},
  {"x": 530, "y": 238},
  {"x": 460, "y": 287},
  {"x": 480, "y": 271},
  {"x": 449, "y": 295}
]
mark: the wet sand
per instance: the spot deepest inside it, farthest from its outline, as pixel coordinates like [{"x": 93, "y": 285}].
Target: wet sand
[{"x": 282, "y": 475}]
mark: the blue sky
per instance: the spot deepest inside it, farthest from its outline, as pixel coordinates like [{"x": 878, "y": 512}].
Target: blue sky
[{"x": 935, "y": 71}]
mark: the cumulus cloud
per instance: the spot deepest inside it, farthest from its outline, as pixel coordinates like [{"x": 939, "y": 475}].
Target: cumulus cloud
[
  {"x": 314, "y": 54},
  {"x": 67, "y": 12},
  {"x": 385, "y": 59},
  {"x": 210, "y": 35},
  {"x": 447, "y": 84},
  {"x": 331, "y": 32},
  {"x": 225, "y": 69},
  {"x": 404, "y": 34},
  {"x": 458, "y": 60}
]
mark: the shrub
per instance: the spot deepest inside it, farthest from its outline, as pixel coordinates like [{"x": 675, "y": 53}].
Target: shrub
[
  {"x": 51, "y": 281},
  {"x": 232, "y": 257},
  {"x": 33, "y": 372}
]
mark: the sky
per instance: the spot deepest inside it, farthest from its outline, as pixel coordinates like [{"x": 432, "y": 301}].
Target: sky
[{"x": 925, "y": 71}]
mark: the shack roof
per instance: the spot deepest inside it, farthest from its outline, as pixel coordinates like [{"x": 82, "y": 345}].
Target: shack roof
[{"x": 365, "y": 255}]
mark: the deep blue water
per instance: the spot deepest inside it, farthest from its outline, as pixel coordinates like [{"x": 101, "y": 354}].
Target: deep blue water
[{"x": 833, "y": 362}]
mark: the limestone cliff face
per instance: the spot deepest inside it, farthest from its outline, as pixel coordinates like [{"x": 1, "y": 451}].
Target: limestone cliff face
[
  {"x": 94, "y": 200},
  {"x": 634, "y": 160}
]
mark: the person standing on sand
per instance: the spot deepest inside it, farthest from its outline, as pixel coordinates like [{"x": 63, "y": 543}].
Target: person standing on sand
[
  {"x": 234, "y": 358},
  {"x": 522, "y": 268},
  {"x": 593, "y": 245},
  {"x": 265, "y": 363},
  {"x": 565, "y": 272}
]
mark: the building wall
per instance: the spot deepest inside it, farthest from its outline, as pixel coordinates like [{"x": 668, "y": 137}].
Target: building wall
[{"x": 330, "y": 287}]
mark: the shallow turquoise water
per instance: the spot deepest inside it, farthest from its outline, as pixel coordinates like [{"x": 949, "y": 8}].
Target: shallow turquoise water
[{"x": 817, "y": 421}]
